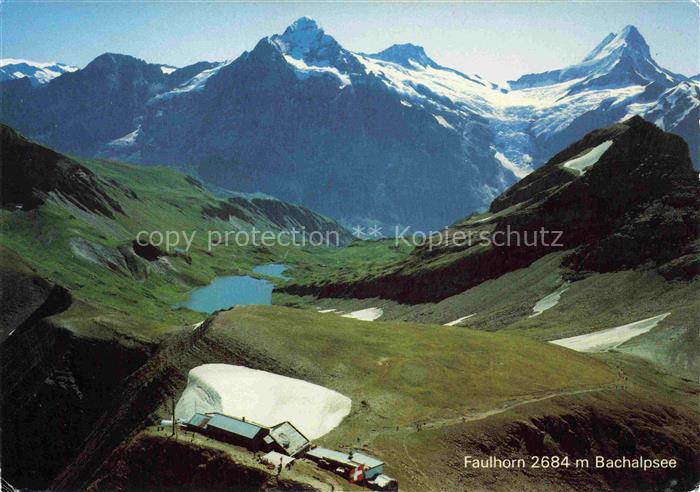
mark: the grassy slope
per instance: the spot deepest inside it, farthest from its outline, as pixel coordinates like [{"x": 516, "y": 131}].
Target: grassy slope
[
  {"x": 596, "y": 302},
  {"x": 351, "y": 262},
  {"x": 407, "y": 371},
  {"x": 399, "y": 373},
  {"x": 164, "y": 200}
]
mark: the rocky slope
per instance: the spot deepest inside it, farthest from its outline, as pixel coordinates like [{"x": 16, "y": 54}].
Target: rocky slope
[
  {"x": 580, "y": 430},
  {"x": 31, "y": 173},
  {"x": 55, "y": 382},
  {"x": 631, "y": 205},
  {"x": 203, "y": 464},
  {"x": 307, "y": 120}
]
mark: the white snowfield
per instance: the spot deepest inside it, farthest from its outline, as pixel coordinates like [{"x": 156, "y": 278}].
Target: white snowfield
[
  {"x": 15, "y": 61},
  {"x": 195, "y": 84},
  {"x": 40, "y": 72},
  {"x": 262, "y": 397},
  {"x": 369, "y": 314},
  {"x": 127, "y": 140},
  {"x": 459, "y": 320},
  {"x": 582, "y": 163},
  {"x": 549, "y": 301},
  {"x": 610, "y": 338}
]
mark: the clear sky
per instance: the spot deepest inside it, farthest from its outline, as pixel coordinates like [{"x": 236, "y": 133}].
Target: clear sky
[{"x": 497, "y": 40}]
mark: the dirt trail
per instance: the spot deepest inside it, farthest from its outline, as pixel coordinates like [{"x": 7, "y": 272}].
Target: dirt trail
[
  {"x": 425, "y": 481},
  {"x": 508, "y": 405}
]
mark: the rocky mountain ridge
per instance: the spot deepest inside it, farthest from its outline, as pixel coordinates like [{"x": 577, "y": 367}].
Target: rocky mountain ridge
[{"x": 621, "y": 198}]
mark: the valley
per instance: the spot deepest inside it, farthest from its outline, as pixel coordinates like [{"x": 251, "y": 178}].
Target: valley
[{"x": 109, "y": 350}]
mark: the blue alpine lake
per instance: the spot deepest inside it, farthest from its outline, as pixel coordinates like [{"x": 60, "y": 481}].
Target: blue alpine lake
[{"x": 233, "y": 290}]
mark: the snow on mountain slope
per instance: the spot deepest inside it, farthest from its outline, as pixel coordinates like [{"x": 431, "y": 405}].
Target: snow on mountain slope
[
  {"x": 305, "y": 40},
  {"x": 529, "y": 119},
  {"x": 436, "y": 87},
  {"x": 310, "y": 51},
  {"x": 405, "y": 69},
  {"x": 582, "y": 163},
  {"x": 303, "y": 70},
  {"x": 194, "y": 84},
  {"x": 673, "y": 107},
  {"x": 37, "y": 72},
  {"x": 342, "y": 120},
  {"x": 406, "y": 54},
  {"x": 610, "y": 338}
]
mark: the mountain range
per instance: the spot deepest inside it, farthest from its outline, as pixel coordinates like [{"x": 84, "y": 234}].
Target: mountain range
[
  {"x": 37, "y": 73},
  {"x": 303, "y": 118}
]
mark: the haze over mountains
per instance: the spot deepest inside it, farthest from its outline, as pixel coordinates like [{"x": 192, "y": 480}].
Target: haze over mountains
[{"x": 305, "y": 119}]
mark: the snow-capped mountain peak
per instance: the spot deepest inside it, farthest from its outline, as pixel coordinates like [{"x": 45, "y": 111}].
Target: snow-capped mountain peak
[
  {"x": 628, "y": 41},
  {"x": 405, "y": 55},
  {"x": 622, "y": 59},
  {"x": 312, "y": 53},
  {"x": 305, "y": 40},
  {"x": 38, "y": 73},
  {"x": 303, "y": 24}
]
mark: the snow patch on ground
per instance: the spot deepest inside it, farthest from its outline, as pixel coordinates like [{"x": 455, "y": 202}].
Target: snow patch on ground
[
  {"x": 442, "y": 121},
  {"x": 549, "y": 301},
  {"x": 511, "y": 166},
  {"x": 483, "y": 219},
  {"x": 459, "y": 320},
  {"x": 610, "y": 338},
  {"x": 369, "y": 314},
  {"x": 127, "y": 140},
  {"x": 582, "y": 163},
  {"x": 262, "y": 397}
]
